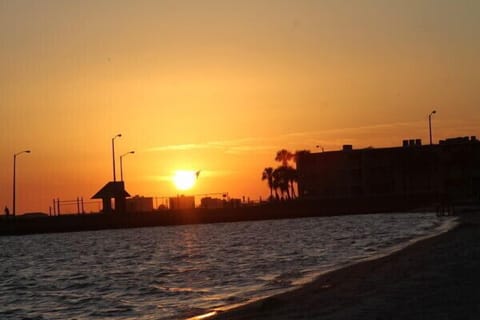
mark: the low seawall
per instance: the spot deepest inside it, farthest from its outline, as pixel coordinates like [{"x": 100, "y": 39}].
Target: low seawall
[{"x": 284, "y": 210}]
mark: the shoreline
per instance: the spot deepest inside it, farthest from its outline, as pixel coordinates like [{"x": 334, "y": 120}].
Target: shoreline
[
  {"x": 23, "y": 225},
  {"x": 433, "y": 277}
]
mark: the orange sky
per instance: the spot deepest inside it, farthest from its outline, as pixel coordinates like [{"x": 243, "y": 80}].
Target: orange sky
[{"x": 220, "y": 86}]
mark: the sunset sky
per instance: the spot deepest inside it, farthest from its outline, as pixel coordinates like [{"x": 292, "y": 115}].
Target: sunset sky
[{"x": 220, "y": 86}]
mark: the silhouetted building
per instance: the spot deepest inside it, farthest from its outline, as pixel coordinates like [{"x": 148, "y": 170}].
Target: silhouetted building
[
  {"x": 182, "y": 202},
  {"x": 140, "y": 204},
  {"x": 445, "y": 173},
  {"x": 113, "y": 190},
  {"x": 212, "y": 203},
  {"x": 233, "y": 203}
]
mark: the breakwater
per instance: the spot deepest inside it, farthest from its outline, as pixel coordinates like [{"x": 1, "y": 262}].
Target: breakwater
[{"x": 283, "y": 210}]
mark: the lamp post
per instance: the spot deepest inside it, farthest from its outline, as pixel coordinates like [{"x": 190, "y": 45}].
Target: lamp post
[
  {"x": 121, "y": 163},
  {"x": 430, "y": 124},
  {"x": 14, "y": 178},
  {"x": 113, "y": 154}
]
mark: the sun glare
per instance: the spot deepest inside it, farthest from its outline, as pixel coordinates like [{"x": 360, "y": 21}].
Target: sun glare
[{"x": 184, "y": 180}]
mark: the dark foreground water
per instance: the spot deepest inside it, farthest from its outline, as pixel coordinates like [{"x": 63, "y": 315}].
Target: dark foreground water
[{"x": 183, "y": 271}]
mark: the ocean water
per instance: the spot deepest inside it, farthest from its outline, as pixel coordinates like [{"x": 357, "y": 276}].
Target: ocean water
[{"x": 179, "y": 272}]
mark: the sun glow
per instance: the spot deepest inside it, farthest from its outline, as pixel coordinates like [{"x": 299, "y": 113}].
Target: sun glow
[{"x": 184, "y": 179}]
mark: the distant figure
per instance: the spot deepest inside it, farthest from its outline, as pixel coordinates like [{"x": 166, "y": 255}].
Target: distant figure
[{"x": 7, "y": 211}]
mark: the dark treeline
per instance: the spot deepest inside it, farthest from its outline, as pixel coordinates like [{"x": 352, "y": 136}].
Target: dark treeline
[{"x": 282, "y": 180}]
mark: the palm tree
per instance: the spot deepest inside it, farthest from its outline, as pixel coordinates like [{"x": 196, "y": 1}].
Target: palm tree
[
  {"x": 291, "y": 176},
  {"x": 284, "y": 156},
  {"x": 276, "y": 186},
  {"x": 280, "y": 178},
  {"x": 267, "y": 174}
]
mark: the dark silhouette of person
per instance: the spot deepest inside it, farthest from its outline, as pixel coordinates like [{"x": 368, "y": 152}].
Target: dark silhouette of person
[{"x": 7, "y": 211}]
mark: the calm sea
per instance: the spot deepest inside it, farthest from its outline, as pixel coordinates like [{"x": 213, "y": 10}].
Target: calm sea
[{"x": 182, "y": 271}]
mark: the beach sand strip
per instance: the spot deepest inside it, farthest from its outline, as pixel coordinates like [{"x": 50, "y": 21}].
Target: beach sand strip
[{"x": 436, "y": 278}]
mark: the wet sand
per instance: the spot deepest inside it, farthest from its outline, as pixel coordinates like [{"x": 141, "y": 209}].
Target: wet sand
[{"x": 436, "y": 278}]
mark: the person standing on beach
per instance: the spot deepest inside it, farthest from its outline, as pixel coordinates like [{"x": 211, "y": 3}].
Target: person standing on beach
[{"x": 7, "y": 211}]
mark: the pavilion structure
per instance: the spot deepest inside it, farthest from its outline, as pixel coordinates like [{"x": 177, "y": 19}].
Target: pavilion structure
[{"x": 113, "y": 190}]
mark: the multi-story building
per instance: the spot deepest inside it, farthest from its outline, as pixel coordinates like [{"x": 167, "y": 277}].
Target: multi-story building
[
  {"x": 447, "y": 172},
  {"x": 212, "y": 203},
  {"x": 182, "y": 202},
  {"x": 140, "y": 204}
]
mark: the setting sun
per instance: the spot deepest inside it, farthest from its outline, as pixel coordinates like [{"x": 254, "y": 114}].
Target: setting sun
[{"x": 184, "y": 179}]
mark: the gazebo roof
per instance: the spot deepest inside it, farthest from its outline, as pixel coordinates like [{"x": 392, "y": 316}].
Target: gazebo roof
[{"x": 113, "y": 189}]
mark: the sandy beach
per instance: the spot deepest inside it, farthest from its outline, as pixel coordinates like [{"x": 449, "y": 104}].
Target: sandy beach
[{"x": 436, "y": 278}]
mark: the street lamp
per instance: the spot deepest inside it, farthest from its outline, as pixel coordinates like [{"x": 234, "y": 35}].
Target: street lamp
[
  {"x": 113, "y": 154},
  {"x": 430, "y": 124},
  {"x": 121, "y": 163},
  {"x": 14, "y": 177}
]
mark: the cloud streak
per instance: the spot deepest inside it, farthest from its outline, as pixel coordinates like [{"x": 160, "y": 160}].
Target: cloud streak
[
  {"x": 203, "y": 174},
  {"x": 180, "y": 147},
  {"x": 234, "y": 146},
  {"x": 378, "y": 134}
]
